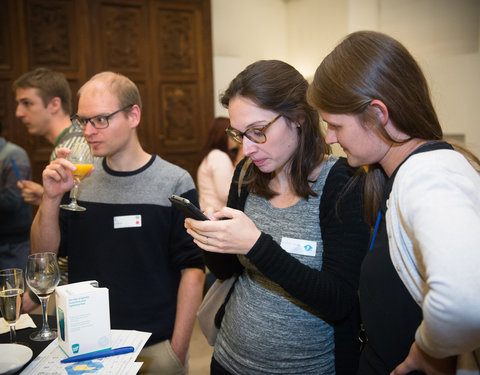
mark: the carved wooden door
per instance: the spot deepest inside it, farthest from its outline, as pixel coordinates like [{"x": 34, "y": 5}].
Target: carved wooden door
[{"x": 164, "y": 46}]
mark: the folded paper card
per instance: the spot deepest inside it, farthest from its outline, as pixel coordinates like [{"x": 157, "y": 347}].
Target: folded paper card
[
  {"x": 83, "y": 317},
  {"x": 25, "y": 321}
]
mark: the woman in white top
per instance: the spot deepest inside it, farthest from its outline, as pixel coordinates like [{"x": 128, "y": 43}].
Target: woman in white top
[
  {"x": 215, "y": 172},
  {"x": 419, "y": 281}
]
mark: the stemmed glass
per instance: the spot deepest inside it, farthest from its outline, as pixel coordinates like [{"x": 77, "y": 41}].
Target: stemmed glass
[
  {"x": 43, "y": 276},
  {"x": 82, "y": 158},
  {"x": 11, "y": 295}
]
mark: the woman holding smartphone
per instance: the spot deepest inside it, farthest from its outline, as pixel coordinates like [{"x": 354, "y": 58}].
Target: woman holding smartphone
[{"x": 295, "y": 235}]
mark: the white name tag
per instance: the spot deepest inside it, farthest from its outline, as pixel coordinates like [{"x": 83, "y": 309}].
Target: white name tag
[
  {"x": 127, "y": 221},
  {"x": 300, "y": 247}
]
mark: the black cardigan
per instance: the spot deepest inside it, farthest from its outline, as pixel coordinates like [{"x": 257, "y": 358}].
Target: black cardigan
[{"x": 331, "y": 291}]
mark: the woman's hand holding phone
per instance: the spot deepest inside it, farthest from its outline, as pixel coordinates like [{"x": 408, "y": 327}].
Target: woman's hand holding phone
[{"x": 234, "y": 236}]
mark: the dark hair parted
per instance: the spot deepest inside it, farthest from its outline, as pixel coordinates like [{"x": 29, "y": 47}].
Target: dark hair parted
[
  {"x": 49, "y": 84},
  {"x": 369, "y": 65},
  {"x": 217, "y": 139},
  {"x": 277, "y": 86}
]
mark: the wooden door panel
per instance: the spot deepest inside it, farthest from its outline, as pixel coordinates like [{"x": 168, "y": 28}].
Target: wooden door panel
[
  {"x": 180, "y": 123},
  {"x": 119, "y": 37},
  {"x": 50, "y": 28},
  {"x": 183, "y": 77}
]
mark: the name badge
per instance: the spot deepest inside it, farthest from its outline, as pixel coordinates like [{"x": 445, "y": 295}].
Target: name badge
[
  {"x": 300, "y": 247},
  {"x": 127, "y": 221}
]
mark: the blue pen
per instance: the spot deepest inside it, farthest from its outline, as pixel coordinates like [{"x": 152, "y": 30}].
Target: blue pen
[
  {"x": 16, "y": 170},
  {"x": 100, "y": 354}
]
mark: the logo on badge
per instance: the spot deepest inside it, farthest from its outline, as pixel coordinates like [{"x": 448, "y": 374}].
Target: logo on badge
[{"x": 307, "y": 247}]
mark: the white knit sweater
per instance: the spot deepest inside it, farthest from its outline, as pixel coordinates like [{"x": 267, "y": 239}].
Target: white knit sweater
[{"x": 433, "y": 224}]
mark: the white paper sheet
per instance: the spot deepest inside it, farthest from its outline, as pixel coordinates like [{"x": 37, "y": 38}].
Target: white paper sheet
[{"x": 48, "y": 361}]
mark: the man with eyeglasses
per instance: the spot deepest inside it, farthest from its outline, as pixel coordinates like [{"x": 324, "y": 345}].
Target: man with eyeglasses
[{"x": 130, "y": 239}]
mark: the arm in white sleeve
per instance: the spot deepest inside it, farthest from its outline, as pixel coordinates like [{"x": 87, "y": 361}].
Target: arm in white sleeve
[{"x": 438, "y": 243}]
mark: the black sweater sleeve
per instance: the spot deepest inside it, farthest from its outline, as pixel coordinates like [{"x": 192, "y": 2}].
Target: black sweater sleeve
[
  {"x": 224, "y": 266},
  {"x": 332, "y": 290}
]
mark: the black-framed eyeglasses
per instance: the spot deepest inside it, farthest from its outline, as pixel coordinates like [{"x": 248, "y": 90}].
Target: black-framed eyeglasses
[
  {"x": 98, "y": 122},
  {"x": 256, "y": 135}
]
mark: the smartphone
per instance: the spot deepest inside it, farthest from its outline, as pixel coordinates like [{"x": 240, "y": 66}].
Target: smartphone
[{"x": 188, "y": 208}]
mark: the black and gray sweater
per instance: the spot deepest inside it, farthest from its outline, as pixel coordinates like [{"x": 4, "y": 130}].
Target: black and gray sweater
[{"x": 330, "y": 291}]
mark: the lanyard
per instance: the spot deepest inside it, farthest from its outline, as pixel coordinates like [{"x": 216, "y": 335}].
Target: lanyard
[{"x": 376, "y": 229}]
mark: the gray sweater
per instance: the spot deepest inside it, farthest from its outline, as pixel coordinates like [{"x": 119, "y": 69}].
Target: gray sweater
[{"x": 294, "y": 313}]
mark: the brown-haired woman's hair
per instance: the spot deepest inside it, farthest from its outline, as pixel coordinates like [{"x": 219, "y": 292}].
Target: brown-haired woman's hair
[
  {"x": 217, "y": 139},
  {"x": 277, "y": 86},
  {"x": 369, "y": 65}
]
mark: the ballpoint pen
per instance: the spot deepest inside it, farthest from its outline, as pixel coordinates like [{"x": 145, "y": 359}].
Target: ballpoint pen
[
  {"x": 100, "y": 354},
  {"x": 16, "y": 170}
]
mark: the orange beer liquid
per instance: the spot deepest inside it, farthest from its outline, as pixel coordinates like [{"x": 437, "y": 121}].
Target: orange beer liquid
[{"x": 82, "y": 170}]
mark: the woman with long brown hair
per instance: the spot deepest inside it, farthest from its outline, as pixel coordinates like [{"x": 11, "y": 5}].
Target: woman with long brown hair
[
  {"x": 295, "y": 236},
  {"x": 419, "y": 281}
]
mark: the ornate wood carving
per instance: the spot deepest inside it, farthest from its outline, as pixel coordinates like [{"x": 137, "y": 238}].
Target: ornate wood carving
[
  {"x": 177, "y": 43},
  {"x": 49, "y": 27},
  {"x": 5, "y": 47},
  {"x": 180, "y": 107},
  {"x": 121, "y": 38}
]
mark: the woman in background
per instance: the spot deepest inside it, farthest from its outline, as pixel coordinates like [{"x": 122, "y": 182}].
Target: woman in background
[
  {"x": 218, "y": 159},
  {"x": 295, "y": 235},
  {"x": 419, "y": 281}
]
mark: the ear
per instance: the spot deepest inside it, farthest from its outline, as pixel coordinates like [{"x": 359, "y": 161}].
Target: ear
[
  {"x": 299, "y": 122},
  {"x": 55, "y": 105},
  {"x": 135, "y": 115},
  {"x": 380, "y": 110}
]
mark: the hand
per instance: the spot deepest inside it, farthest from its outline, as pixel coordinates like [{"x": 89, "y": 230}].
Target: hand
[
  {"x": 234, "y": 236},
  {"x": 418, "y": 360},
  {"x": 28, "y": 303},
  {"x": 31, "y": 191}
]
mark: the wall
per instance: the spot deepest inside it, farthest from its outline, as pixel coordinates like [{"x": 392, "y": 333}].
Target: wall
[
  {"x": 443, "y": 35},
  {"x": 243, "y": 32}
]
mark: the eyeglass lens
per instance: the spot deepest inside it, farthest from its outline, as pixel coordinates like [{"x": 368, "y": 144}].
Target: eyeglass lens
[{"x": 256, "y": 135}]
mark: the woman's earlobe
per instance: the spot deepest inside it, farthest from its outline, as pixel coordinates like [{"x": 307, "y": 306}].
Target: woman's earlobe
[{"x": 298, "y": 123}]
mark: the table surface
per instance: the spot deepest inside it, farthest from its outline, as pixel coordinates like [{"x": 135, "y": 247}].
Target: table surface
[{"x": 22, "y": 337}]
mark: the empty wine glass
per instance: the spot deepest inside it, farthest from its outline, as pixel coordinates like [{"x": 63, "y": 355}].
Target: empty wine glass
[
  {"x": 82, "y": 158},
  {"x": 11, "y": 295},
  {"x": 43, "y": 276}
]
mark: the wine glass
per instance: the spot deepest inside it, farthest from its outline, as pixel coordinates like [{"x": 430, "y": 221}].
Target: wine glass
[
  {"x": 11, "y": 296},
  {"x": 82, "y": 158},
  {"x": 43, "y": 276}
]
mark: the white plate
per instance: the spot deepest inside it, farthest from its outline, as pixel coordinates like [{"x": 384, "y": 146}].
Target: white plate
[{"x": 13, "y": 357}]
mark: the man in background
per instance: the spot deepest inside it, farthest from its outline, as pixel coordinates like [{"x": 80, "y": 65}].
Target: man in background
[
  {"x": 15, "y": 214},
  {"x": 44, "y": 105},
  {"x": 130, "y": 239}
]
